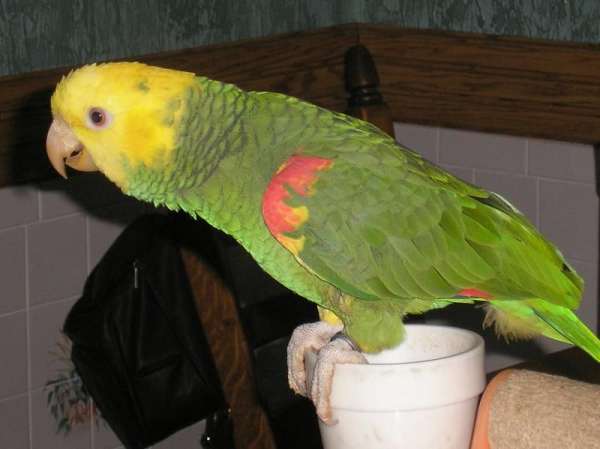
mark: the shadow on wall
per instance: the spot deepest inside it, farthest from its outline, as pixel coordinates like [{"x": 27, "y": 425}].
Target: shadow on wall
[
  {"x": 31, "y": 137},
  {"x": 91, "y": 194}
]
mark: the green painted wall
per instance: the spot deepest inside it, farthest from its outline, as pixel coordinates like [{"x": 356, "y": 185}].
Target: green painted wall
[{"x": 37, "y": 34}]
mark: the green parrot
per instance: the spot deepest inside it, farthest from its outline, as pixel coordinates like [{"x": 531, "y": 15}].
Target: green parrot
[{"x": 328, "y": 205}]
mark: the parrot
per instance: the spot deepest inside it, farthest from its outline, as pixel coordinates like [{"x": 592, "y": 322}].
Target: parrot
[{"x": 328, "y": 205}]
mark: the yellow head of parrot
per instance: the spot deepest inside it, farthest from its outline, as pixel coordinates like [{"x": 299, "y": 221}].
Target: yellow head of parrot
[{"x": 113, "y": 115}]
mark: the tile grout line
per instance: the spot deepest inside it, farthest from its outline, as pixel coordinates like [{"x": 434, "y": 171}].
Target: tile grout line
[
  {"x": 17, "y": 226},
  {"x": 12, "y": 397},
  {"x": 28, "y": 336},
  {"x": 61, "y": 217},
  {"x": 39, "y": 205},
  {"x": 538, "y": 193},
  {"x": 526, "y": 155},
  {"x": 489, "y": 171},
  {"x": 41, "y": 221},
  {"x": 13, "y": 312},
  {"x": 486, "y": 170},
  {"x": 90, "y": 402},
  {"x": 567, "y": 181},
  {"x": 54, "y": 302},
  {"x": 437, "y": 144},
  {"x": 537, "y": 186}
]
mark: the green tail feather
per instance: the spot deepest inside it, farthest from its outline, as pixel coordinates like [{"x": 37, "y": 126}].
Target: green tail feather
[
  {"x": 566, "y": 323},
  {"x": 515, "y": 319}
]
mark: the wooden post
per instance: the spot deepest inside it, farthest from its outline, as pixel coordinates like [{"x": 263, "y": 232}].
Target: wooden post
[
  {"x": 221, "y": 323},
  {"x": 362, "y": 82}
]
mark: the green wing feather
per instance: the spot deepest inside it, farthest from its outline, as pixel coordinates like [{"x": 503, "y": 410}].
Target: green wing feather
[
  {"x": 386, "y": 225},
  {"x": 395, "y": 226}
]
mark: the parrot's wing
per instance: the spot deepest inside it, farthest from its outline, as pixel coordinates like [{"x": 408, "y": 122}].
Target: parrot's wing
[{"x": 388, "y": 224}]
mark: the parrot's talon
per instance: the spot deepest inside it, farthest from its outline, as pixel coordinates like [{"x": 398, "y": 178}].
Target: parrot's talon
[
  {"x": 336, "y": 351},
  {"x": 342, "y": 336}
]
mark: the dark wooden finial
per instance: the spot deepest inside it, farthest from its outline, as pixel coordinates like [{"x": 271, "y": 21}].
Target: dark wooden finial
[{"x": 362, "y": 83}]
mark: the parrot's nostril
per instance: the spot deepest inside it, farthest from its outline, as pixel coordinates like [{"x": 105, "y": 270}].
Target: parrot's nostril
[
  {"x": 80, "y": 159},
  {"x": 76, "y": 152}
]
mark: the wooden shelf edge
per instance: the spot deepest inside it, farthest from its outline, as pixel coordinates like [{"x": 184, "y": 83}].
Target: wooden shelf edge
[
  {"x": 500, "y": 84},
  {"x": 507, "y": 85}
]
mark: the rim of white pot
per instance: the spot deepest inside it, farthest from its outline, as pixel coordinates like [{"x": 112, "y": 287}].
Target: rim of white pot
[
  {"x": 411, "y": 385},
  {"x": 477, "y": 340}
]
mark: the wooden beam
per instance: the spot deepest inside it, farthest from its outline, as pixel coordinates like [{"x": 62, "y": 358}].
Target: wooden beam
[
  {"x": 217, "y": 311},
  {"x": 500, "y": 84},
  {"x": 308, "y": 65}
]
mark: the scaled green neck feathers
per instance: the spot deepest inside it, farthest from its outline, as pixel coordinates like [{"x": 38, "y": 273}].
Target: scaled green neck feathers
[
  {"x": 207, "y": 134},
  {"x": 224, "y": 133}
]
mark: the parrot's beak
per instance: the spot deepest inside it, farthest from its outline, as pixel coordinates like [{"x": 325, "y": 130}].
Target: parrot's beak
[{"x": 64, "y": 148}]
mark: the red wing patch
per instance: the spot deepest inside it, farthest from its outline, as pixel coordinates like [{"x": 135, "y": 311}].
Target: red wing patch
[
  {"x": 474, "y": 293},
  {"x": 299, "y": 174}
]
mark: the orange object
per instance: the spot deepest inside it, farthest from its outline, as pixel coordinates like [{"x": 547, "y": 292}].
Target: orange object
[{"x": 482, "y": 421}]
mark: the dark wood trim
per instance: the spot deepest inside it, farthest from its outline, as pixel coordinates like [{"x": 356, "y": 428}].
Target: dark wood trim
[
  {"x": 499, "y": 84},
  {"x": 504, "y": 85}
]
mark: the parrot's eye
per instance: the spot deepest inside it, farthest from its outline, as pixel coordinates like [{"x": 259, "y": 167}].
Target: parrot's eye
[{"x": 98, "y": 118}]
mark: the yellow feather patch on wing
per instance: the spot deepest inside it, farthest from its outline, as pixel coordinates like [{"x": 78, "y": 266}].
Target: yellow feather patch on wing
[
  {"x": 293, "y": 245},
  {"x": 298, "y": 216},
  {"x": 293, "y": 217}
]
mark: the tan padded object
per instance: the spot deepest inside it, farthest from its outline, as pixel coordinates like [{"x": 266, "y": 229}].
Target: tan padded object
[{"x": 531, "y": 410}]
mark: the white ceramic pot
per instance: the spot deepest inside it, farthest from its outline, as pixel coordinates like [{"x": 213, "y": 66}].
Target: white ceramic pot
[{"x": 423, "y": 394}]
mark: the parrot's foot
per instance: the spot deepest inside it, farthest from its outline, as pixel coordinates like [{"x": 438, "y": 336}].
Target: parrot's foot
[
  {"x": 307, "y": 336},
  {"x": 338, "y": 350},
  {"x": 330, "y": 351}
]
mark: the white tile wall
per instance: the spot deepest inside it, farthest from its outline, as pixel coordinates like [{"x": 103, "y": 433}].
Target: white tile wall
[
  {"x": 51, "y": 237},
  {"x": 56, "y": 258},
  {"x": 482, "y": 151},
  {"x": 21, "y": 206},
  {"x": 14, "y": 419},
  {"x": 13, "y": 347},
  {"x": 561, "y": 160},
  {"x": 13, "y": 268},
  {"x": 521, "y": 189},
  {"x": 568, "y": 213},
  {"x": 553, "y": 183},
  {"x": 45, "y": 323}
]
